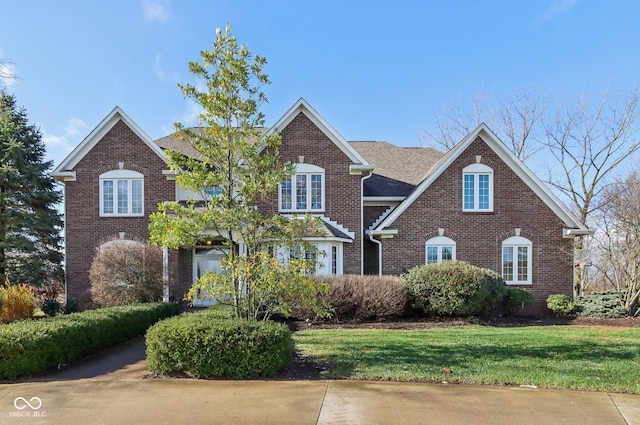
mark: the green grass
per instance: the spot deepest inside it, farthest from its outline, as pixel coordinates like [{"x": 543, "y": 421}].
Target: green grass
[{"x": 573, "y": 357}]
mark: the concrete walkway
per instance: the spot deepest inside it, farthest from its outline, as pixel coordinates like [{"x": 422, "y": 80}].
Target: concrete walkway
[{"x": 110, "y": 389}]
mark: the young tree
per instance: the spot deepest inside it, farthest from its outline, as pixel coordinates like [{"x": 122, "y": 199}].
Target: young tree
[
  {"x": 236, "y": 167},
  {"x": 30, "y": 240}
]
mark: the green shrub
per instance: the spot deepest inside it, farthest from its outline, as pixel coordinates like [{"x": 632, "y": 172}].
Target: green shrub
[
  {"x": 31, "y": 346},
  {"x": 204, "y": 345},
  {"x": 16, "y": 302},
  {"x": 561, "y": 305},
  {"x": 356, "y": 297},
  {"x": 515, "y": 300},
  {"x": 455, "y": 288},
  {"x": 605, "y": 304}
]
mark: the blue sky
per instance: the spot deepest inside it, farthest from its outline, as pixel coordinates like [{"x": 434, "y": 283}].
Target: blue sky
[{"x": 376, "y": 70}]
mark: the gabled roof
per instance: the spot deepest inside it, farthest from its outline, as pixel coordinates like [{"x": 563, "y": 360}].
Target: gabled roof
[
  {"x": 530, "y": 179},
  {"x": 302, "y": 106},
  {"x": 65, "y": 171}
]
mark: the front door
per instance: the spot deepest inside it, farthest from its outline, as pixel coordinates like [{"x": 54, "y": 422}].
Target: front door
[{"x": 206, "y": 259}]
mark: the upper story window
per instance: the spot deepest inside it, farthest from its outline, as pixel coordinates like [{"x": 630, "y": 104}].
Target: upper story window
[
  {"x": 304, "y": 191},
  {"x": 121, "y": 193},
  {"x": 516, "y": 260},
  {"x": 477, "y": 188},
  {"x": 440, "y": 248}
]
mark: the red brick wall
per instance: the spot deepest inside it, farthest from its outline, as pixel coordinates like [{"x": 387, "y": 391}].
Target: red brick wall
[
  {"x": 85, "y": 229},
  {"x": 342, "y": 191},
  {"x": 479, "y": 236}
]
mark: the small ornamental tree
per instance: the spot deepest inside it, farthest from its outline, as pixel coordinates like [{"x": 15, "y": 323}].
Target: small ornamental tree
[
  {"x": 235, "y": 168},
  {"x": 126, "y": 272}
]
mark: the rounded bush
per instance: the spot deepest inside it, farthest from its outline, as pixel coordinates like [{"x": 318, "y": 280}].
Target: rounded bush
[
  {"x": 455, "y": 288},
  {"x": 515, "y": 299},
  {"x": 207, "y": 346},
  {"x": 561, "y": 305}
]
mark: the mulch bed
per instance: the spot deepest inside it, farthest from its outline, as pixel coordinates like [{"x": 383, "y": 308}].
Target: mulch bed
[{"x": 302, "y": 368}]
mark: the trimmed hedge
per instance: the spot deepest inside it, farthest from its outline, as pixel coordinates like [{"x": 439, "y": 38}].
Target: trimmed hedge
[
  {"x": 207, "y": 345},
  {"x": 455, "y": 288},
  {"x": 561, "y": 304},
  {"x": 31, "y": 346},
  {"x": 515, "y": 300}
]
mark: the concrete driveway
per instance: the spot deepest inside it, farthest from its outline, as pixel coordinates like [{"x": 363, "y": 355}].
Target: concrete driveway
[{"x": 111, "y": 388}]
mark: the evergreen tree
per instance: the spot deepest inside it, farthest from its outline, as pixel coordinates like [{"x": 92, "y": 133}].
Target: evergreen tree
[{"x": 30, "y": 240}]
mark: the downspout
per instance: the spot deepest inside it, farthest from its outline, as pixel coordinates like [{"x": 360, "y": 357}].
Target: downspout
[
  {"x": 362, "y": 221},
  {"x": 372, "y": 239}
]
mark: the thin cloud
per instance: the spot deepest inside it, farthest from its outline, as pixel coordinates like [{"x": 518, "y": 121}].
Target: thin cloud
[
  {"x": 8, "y": 75},
  {"x": 59, "y": 145},
  {"x": 557, "y": 8},
  {"x": 160, "y": 72},
  {"x": 156, "y": 10}
]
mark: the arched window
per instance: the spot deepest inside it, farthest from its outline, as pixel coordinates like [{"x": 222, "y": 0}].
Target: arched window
[
  {"x": 477, "y": 188},
  {"x": 304, "y": 191},
  {"x": 438, "y": 249},
  {"x": 121, "y": 193},
  {"x": 516, "y": 260}
]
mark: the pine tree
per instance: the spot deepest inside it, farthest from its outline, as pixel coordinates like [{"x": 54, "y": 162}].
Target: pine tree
[{"x": 30, "y": 240}]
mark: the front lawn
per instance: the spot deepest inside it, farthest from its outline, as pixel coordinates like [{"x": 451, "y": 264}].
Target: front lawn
[{"x": 575, "y": 357}]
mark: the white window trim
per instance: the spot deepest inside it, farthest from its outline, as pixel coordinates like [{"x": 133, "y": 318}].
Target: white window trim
[
  {"x": 440, "y": 242},
  {"x": 115, "y": 176},
  {"x": 307, "y": 170},
  {"x": 478, "y": 170},
  {"x": 515, "y": 242}
]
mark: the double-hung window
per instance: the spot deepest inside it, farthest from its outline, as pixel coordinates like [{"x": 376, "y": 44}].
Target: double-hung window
[
  {"x": 440, "y": 248},
  {"x": 516, "y": 260},
  {"x": 121, "y": 193},
  {"x": 304, "y": 191},
  {"x": 477, "y": 188}
]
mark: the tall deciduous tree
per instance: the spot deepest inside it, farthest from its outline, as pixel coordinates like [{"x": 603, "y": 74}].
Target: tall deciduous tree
[
  {"x": 618, "y": 239},
  {"x": 30, "y": 240},
  {"x": 589, "y": 144},
  {"x": 235, "y": 169},
  {"x": 517, "y": 120}
]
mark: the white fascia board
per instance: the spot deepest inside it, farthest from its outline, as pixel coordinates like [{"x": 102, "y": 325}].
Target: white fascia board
[
  {"x": 99, "y": 132},
  {"x": 64, "y": 176},
  {"x": 361, "y": 170},
  {"x": 384, "y": 233},
  {"x": 512, "y": 162},
  {"x": 378, "y": 201},
  {"x": 303, "y": 106}
]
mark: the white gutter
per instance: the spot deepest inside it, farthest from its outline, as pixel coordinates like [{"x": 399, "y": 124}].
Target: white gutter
[{"x": 372, "y": 239}]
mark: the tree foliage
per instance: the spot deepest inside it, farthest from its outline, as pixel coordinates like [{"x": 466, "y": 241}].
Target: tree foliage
[
  {"x": 30, "y": 240},
  {"x": 236, "y": 168}
]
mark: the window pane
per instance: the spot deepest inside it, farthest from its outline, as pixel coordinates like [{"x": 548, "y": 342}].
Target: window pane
[
  {"x": 507, "y": 263},
  {"x": 285, "y": 195},
  {"x": 123, "y": 196},
  {"x": 136, "y": 196},
  {"x": 432, "y": 254},
  {"x": 316, "y": 191},
  {"x": 334, "y": 259},
  {"x": 469, "y": 184},
  {"x": 483, "y": 191},
  {"x": 523, "y": 263},
  {"x": 301, "y": 192},
  {"x": 107, "y": 197},
  {"x": 217, "y": 190},
  {"x": 447, "y": 253}
]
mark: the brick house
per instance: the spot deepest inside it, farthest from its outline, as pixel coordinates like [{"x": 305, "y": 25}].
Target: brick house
[{"x": 385, "y": 208}]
